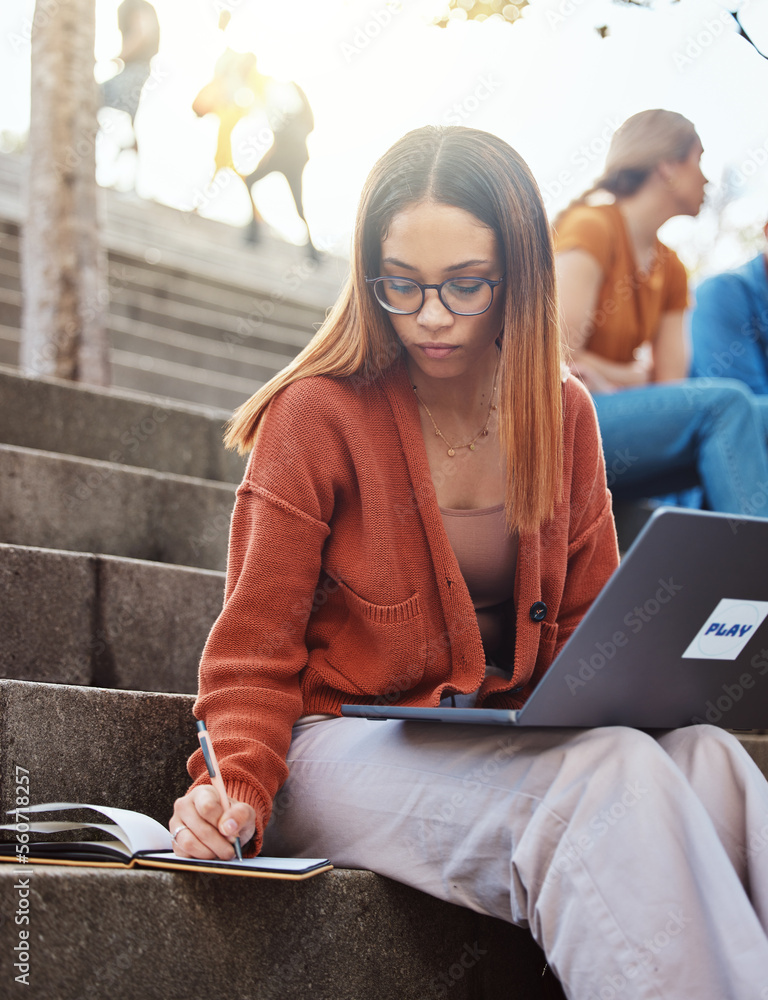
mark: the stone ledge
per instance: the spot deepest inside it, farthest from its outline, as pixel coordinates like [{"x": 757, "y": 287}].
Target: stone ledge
[
  {"x": 84, "y": 505},
  {"x": 125, "y": 748},
  {"x": 79, "y": 618},
  {"x": 182, "y": 339},
  {"x": 343, "y": 935},
  {"x": 156, "y": 433},
  {"x": 84, "y": 744},
  {"x": 137, "y": 288}
]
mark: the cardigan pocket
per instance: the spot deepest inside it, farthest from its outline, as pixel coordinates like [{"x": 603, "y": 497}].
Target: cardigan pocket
[{"x": 380, "y": 649}]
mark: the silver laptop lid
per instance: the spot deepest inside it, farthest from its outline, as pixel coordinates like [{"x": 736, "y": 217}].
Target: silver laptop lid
[{"x": 678, "y": 634}]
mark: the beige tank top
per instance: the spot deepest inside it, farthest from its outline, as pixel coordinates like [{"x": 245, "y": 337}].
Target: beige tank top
[{"x": 487, "y": 557}]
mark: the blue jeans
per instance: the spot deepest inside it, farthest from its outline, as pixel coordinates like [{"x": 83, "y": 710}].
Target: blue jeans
[{"x": 664, "y": 438}]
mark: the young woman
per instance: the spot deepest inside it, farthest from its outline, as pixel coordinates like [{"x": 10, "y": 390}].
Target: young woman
[
  {"x": 425, "y": 517},
  {"x": 620, "y": 289}
]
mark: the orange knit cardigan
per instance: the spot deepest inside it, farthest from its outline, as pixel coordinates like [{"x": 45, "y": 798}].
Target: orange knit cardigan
[{"x": 342, "y": 586}]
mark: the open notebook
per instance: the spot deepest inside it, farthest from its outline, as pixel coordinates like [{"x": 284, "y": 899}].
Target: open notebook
[{"x": 136, "y": 840}]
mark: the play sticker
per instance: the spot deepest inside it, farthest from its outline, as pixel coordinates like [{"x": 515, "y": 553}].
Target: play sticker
[{"x": 727, "y": 630}]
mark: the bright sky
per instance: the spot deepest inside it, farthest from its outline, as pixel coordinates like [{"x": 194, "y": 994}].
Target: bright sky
[{"x": 373, "y": 69}]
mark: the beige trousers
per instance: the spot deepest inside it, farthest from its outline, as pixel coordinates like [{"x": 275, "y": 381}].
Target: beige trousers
[{"x": 640, "y": 864}]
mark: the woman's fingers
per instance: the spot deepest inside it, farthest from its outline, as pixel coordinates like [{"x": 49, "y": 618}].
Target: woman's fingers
[
  {"x": 238, "y": 821},
  {"x": 204, "y": 829},
  {"x": 195, "y": 825}
]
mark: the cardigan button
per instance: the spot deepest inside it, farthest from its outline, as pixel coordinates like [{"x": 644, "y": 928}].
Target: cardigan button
[{"x": 538, "y": 611}]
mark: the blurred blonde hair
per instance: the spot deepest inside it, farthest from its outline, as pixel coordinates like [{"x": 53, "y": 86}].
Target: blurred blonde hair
[
  {"x": 638, "y": 146},
  {"x": 483, "y": 175}
]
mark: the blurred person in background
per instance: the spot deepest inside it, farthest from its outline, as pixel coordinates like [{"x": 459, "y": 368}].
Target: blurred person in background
[
  {"x": 729, "y": 326},
  {"x": 140, "y": 31},
  {"x": 623, "y": 295},
  {"x": 236, "y": 91}
]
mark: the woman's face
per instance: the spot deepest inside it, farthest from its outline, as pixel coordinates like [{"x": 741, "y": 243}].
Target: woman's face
[
  {"x": 687, "y": 182},
  {"x": 430, "y": 242}
]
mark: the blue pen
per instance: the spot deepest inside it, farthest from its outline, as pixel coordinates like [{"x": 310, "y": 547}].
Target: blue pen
[{"x": 215, "y": 774}]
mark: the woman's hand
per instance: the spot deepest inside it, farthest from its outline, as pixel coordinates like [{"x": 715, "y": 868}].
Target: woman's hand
[
  {"x": 600, "y": 375},
  {"x": 596, "y": 382},
  {"x": 205, "y": 829}
]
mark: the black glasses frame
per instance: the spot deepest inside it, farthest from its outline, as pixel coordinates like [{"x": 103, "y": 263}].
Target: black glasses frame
[{"x": 438, "y": 288}]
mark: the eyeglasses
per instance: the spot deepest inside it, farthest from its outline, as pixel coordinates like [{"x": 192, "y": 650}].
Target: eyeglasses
[{"x": 462, "y": 296}]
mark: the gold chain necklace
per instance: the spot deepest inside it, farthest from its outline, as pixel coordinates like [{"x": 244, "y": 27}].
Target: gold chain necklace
[{"x": 453, "y": 448}]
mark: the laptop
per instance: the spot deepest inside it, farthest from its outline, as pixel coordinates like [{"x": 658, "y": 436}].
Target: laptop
[{"x": 677, "y": 636}]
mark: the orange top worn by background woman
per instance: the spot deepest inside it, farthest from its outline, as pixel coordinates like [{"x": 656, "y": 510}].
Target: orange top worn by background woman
[
  {"x": 622, "y": 290},
  {"x": 424, "y": 518}
]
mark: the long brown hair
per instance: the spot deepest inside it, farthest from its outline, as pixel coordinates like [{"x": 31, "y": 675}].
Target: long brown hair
[
  {"x": 480, "y": 173},
  {"x": 638, "y": 146}
]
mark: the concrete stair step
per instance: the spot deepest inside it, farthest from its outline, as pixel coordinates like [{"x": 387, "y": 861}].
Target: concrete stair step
[
  {"x": 175, "y": 345},
  {"x": 138, "y": 933},
  {"x": 186, "y": 242},
  {"x": 155, "y": 377},
  {"x": 84, "y": 505},
  {"x": 128, "y": 749},
  {"x": 191, "y": 347},
  {"x": 80, "y": 618},
  {"x": 89, "y": 744},
  {"x": 261, "y": 328},
  {"x": 343, "y": 935},
  {"x": 118, "y": 730},
  {"x": 167, "y": 297},
  {"x": 185, "y": 383},
  {"x": 114, "y": 425}
]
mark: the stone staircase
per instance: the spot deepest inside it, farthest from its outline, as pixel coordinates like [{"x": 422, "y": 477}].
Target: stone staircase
[
  {"x": 194, "y": 314},
  {"x": 114, "y": 515}
]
